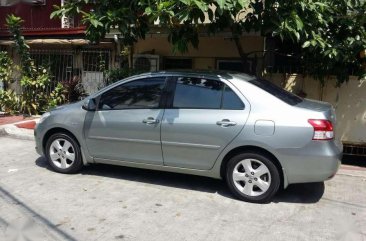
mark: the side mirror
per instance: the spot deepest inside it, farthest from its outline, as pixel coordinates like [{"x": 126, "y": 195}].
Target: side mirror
[{"x": 90, "y": 105}]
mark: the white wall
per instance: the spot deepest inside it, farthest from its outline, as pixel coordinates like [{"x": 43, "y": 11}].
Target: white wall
[{"x": 349, "y": 100}]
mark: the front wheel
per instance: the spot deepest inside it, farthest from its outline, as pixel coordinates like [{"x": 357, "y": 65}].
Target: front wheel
[
  {"x": 63, "y": 153},
  {"x": 252, "y": 177}
]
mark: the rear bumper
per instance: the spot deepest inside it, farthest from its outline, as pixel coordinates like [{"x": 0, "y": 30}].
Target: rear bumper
[{"x": 316, "y": 162}]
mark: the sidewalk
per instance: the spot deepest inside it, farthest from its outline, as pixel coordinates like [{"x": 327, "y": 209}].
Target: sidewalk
[{"x": 18, "y": 127}]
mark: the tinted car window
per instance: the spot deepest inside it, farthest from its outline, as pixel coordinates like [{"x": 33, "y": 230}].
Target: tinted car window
[
  {"x": 196, "y": 93},
  {"x": 280, "y": 93},
  {"x": 138, "y": 94},
  {"x": 199, "y": 93},
  {"x": 230, "y": 101}
]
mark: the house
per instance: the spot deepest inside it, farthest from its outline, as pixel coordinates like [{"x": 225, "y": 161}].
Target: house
[
  {"x": 58, "y": 44},
  {"x": 61, "y": 45}
]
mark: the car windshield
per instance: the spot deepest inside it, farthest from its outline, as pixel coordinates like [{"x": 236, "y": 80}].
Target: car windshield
[{"x": 274, "y": 90}]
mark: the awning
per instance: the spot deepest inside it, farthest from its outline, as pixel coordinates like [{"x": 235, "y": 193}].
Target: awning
[{"x": 52, "y": 42}]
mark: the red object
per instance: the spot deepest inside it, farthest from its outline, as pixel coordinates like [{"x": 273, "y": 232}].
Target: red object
[
  {"x": 46, "y": 31},
  {"x": 37, "y": 20},
  {"x": 26, "y": 125},
  {"x": 34, "y": 15},
  {"x": 323, "y": 129},
  {"x": 10, "y": 119}
]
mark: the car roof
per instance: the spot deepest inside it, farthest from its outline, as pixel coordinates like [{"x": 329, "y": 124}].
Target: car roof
[{"x": 216, "y": 74}]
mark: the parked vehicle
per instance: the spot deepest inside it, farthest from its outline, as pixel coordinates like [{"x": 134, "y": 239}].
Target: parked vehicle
[{"x": 255, "y": 135}]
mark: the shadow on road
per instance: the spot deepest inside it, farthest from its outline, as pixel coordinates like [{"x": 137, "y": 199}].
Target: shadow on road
[
  {"x": 28, "y": 211},
  {"x": 297, "y": 193}
]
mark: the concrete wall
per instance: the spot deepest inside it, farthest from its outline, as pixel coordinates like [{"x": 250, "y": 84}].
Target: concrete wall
[
  {"x": 349, "y": 101},
  {"x": 209, "y": 50}
]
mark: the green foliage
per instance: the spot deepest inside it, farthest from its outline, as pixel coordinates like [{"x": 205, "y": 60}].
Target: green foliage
[
  {"x": 57, "y": 96},
  {"x": 9, "y": 101},
  {"x": 34, "y": 91},
  {"x": 14, "y": 24},
  {"x": 74, "y": 89},
  {"x": 35, "y": 81},
  {"x": 6, "y": 68},
  {"x": 331, "y": 32}
]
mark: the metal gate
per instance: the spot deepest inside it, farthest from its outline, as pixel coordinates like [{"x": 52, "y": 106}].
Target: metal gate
[
  {"x": 94, "y": 65},
  {"x": 58, "y": 62},
  {"x": 89, "y": 65}
]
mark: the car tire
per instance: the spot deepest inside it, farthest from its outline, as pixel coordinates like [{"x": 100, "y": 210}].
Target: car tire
[
  {"x": 252, "y": 177},
  {"x": 63, "y": 153}
]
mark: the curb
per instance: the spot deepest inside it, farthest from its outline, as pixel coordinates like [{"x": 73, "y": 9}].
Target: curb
[
  {"x": 10, "y": 130},
  {"x": 13, "y": 132}
]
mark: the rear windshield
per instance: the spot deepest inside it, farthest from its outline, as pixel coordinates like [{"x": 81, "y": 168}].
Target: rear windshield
[{"x": 274, "y": 90}]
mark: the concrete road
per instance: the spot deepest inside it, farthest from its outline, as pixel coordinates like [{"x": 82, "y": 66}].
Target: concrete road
[{"x": 116, "y": 203}]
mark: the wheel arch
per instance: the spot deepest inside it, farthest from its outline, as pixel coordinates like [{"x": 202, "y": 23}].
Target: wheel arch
[
  {"x": 55, "y": 130},
  {"x": 254, "y": 149}
]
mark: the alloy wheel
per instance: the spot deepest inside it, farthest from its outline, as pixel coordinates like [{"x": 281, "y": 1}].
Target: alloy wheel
[
  {"x": 251, "y": 177},
  {"x": 62, "y": 153}
]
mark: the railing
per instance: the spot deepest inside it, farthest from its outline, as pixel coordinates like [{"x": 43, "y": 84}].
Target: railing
[{"x": 88, "y": 65}]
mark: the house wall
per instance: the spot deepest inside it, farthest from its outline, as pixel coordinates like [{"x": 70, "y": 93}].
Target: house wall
[
  {"x": 349, "y": 101},
  {"x": 34, "y": 16},
  {"x": 92, "y": 78},
  {"x": 209, "y": 50}
]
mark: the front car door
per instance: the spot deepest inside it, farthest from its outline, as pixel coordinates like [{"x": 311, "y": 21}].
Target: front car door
[
  {"x": 202, "y": 118},
  {"x": 126, "y": 125}
]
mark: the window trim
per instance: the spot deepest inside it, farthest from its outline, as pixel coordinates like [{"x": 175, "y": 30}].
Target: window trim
[
  {"x": 162, "y": 100},
  {"x": 172, "y": 89}
]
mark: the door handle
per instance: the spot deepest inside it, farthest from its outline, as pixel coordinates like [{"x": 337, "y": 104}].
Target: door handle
[
  {"x": 226, "y": 123},
  {"x": 150, "y": 120}
]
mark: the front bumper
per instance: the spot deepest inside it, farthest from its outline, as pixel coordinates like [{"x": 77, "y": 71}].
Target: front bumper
[{"x": 38, "y": 140}]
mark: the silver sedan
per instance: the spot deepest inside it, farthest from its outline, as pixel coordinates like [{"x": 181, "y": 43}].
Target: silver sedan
[{"x": 235, "y": 127}]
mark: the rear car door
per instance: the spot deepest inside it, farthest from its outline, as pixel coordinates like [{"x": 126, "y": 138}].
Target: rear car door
[
  {"x": 201, "y": 119},
  {"x": 126, "y": 125}
]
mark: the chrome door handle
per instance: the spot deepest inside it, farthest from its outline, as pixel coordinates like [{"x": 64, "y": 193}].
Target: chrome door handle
[
  {"x": 150, "y": 120},
  {"x": 226, "y": 123}
]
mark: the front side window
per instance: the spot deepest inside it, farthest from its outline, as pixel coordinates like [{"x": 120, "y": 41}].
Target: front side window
[
  {"x": 138, "y": 94},
  {"x": 200, "y": 93}
]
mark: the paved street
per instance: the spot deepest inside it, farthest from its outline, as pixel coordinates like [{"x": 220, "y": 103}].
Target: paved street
[{"x": 117, "y": 203}]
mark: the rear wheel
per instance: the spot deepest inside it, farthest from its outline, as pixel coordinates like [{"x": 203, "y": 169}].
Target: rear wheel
[
  {"x": 252, "y": 177},
  {"x": 63, "y": 153}
]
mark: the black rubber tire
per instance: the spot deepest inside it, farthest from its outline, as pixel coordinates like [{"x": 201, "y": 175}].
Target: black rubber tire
[
  {"x": 275, "y": 176},
  {"x": 78, "y": 162}
]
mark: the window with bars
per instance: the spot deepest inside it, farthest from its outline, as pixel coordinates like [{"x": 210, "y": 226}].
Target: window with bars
[
  {"x": 96, "y": 61},
  {"x": 60, "y": 64}
]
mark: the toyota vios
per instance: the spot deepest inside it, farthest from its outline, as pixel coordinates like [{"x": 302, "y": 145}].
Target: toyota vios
[{"x": 255, "y": 135}]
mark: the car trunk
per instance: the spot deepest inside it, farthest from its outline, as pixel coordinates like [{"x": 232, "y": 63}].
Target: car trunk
[{"x": 319, "y": 106}]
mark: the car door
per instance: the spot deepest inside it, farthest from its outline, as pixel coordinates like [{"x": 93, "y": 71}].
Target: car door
[
  {"x": 202, "y": 118},
  {"x": 126, "y": 125}
]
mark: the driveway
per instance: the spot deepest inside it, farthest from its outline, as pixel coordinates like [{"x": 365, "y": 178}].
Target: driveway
[{"x": 117, "y": 203}]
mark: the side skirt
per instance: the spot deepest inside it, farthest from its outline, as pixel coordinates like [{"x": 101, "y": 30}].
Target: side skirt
[{"x": 205, "y": 173}]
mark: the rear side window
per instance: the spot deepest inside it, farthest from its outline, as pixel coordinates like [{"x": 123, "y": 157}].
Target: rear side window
[
  {"x": 138, "y": 94},
  {"x": 276, "y": 91},
  {"x": 230, "y": 101},
  {"x": 199, "y": 93}
]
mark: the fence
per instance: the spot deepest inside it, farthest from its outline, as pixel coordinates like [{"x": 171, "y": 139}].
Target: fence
[{"x": 88, "y": 65}]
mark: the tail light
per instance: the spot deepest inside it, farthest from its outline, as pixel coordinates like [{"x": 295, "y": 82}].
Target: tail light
[{"x": 323, "y": 129}]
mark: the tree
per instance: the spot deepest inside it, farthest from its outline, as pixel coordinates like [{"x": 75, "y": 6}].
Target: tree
[{"x": 332, "y": 33}]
